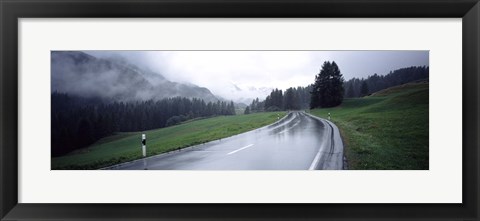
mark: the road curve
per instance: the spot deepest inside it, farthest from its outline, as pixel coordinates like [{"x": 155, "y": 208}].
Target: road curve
[{"x": 298, "y": 141}]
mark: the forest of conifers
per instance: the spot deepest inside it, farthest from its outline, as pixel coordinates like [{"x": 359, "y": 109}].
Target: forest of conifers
[
  {"x": 299, "y": 98},
  {"x": 377, "y": 82},
  {"x": 78, "y": 122}
]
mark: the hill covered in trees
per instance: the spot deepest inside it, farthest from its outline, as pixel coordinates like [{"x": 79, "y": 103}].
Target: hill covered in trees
[
  {"x": 356, "y": 87},
  {"x": 96, "y": 97},
  {"x": 83, "y": 75},
  {"x": 300, "y": 97},
  {"x": 78, "y": 122},
  {"x": 93, "y": 98}
]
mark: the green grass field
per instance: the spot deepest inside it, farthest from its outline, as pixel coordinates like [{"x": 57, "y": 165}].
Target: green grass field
[
  {"x": 124, "y": 147},
  {"x": 387, "y": 130}
]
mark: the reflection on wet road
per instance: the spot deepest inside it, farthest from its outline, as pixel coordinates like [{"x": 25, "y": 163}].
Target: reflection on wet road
[{"x": 299, "y": 141}]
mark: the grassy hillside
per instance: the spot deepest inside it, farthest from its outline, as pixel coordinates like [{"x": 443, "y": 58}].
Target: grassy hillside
[
  {"x": 387, "y": 130},
  {"x": 124, "y": 147}
]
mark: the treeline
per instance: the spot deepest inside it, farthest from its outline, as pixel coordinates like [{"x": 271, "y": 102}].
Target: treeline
[
  {"x": 292, "y": 99},
  {"x": 356, "y": 87},
  {"x": 326, "y": 91},
  {"x": 79, "y": 122},
  {"x": 329, "y": 89}
]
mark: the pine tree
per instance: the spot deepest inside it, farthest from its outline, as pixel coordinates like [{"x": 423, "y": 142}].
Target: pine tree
[
  {"x": 350, "y": 91},
  {"x": 231, "y": 108},
  {"x": 247, "y": 110},
  {"x": 84, "y": 133},
  {"x": 328, "y": 88},
  {"x": 274, "y": 102},
  {"x": 364, "y": 89}
]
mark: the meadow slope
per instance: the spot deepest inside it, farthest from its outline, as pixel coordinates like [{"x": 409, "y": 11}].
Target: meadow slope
[
  {"x": 123, "y": 147},
  {"x": 387, "y": 130}
]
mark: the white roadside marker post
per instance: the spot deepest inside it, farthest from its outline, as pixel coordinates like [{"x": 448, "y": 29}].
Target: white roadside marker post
[
  {"x": 144, "y": 150},
  {"x": 278, "y": 116},
  {"x": 328, "y": 115}
]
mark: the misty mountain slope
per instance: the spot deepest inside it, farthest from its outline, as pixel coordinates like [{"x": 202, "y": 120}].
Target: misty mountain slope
[{"x": 84, "y": 75}]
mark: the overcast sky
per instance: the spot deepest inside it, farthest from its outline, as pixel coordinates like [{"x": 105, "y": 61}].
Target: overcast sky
[{"x": 243, "y": 75}]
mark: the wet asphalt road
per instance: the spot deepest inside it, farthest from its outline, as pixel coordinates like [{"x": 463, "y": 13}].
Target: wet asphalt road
[{"x": 298, "y": 141}]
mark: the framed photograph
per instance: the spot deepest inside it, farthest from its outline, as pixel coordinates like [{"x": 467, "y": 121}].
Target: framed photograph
[{"x": 255, "y": 110}]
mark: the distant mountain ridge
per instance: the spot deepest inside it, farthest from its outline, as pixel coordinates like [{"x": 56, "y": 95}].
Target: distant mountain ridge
[{"x": 84, "y": 75}]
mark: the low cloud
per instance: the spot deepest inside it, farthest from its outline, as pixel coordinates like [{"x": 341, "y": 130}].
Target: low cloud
[{"x": 254, "y": 71}]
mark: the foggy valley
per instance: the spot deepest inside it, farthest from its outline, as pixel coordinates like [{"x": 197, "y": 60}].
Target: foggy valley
[{"x": 83, "y": 75}]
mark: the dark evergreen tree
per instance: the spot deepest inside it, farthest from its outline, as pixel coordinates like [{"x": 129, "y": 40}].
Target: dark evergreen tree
[
  {"x": 256, "y": 105},
  {"x": 328, "y": 88},
  {"x": 274, "y": 102},
  {"x": 293, "y": 99},
  {"x": 247, "y": 110},
  {"x": 84, "y": 133},
  {"x": 231, "y": 108},
  {"x": 350, "y": 91},
  {"x": 290, "y": 101},
  {"x": 364, "y": 90}
]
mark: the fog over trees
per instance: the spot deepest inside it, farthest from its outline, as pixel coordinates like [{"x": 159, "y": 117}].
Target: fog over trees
[
  {"x": 92, "y": 98},
  {"x": 114, "y": 79},
  {"x": 78, "y": 122}
]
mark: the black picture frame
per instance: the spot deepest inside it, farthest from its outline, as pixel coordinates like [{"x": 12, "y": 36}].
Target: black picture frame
[{"x": 12, "y": 10}]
